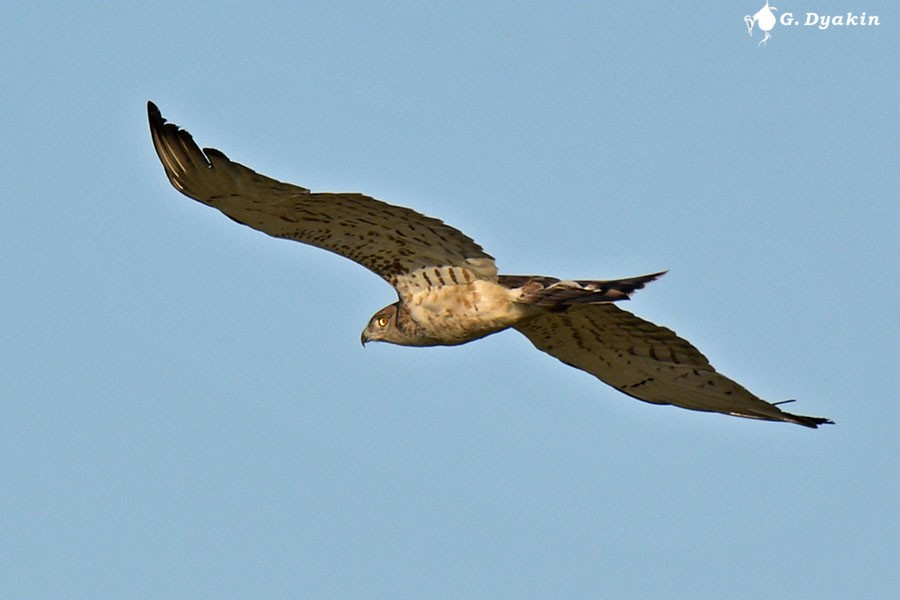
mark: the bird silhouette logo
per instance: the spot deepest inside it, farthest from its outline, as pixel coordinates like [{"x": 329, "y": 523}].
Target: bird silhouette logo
[{"x": 764, "y": 19}]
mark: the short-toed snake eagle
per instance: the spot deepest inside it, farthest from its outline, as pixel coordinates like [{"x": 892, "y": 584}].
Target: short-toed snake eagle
[{"x": 449, "y": 289}]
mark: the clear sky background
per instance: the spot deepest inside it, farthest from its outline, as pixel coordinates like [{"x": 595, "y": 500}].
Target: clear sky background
[{"x": 186, "y": 411}]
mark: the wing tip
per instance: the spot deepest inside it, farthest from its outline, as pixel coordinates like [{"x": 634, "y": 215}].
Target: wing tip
[
  {"x": 157, "y": 121},
  {"x": 154, "y": 116},
  {"x": 811, "y": 422},
  {"x": 181, "y": 157}
]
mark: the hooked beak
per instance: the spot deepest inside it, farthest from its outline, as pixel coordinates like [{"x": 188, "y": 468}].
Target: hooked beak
[{"x": 363, "y": 338}]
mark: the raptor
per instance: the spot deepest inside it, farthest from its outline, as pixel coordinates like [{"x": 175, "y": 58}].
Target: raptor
[{"x": 450, "y": 292}]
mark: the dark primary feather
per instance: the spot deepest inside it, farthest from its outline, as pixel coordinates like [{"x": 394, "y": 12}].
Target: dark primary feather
[
  {"x": 390, "y": 240},
  {"x": 647, "y": 362}
]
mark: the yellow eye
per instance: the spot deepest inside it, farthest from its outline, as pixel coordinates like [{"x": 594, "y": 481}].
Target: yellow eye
[{"x": 381, "y": 322}]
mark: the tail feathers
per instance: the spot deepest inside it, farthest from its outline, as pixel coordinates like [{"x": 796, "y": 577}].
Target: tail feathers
[{"x": 549, "y": 292}]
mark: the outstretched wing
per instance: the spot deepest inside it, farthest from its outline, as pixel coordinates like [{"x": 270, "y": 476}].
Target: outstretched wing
[
  {"x": 396, "y": 243},
  {"x": 646, "y": 361}
]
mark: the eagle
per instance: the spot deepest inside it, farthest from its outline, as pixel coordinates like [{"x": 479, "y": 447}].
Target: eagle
[{"x": 450, "y": 292}]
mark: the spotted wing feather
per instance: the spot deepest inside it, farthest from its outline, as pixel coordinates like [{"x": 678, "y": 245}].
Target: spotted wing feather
[
  {"x": 392, "y": 241},
  {"x": 646, "y": 361}
]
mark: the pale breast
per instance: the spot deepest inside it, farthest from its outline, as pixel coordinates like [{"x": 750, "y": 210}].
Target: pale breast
[{"x": 467, "y": 311}]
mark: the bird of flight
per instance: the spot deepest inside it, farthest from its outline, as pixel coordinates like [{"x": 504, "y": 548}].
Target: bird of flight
[{"x": 450, "y": 291}]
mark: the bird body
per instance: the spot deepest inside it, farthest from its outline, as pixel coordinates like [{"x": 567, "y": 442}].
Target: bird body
[
  {"x": 449, "y": 290},
  {"x": 461, "y": 312},
  {"x": 457, "y": 308}
]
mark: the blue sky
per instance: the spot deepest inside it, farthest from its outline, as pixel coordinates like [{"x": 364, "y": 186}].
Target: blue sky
[{"x": 187, "y": 411}]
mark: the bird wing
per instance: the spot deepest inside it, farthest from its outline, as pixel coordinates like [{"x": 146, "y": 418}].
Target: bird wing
[
  {"x": 646, "y": 361},
  {"x": 401, "y": 245}
]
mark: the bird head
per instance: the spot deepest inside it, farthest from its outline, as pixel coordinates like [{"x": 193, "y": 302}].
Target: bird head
[{"x": 382, "y": 327}]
